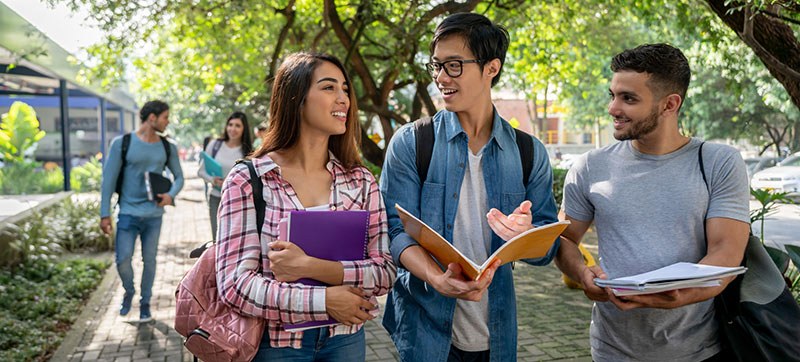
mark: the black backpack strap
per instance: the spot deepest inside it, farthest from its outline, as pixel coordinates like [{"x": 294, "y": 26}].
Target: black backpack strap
[
  {"x": 215, "y": 147},
  {"x": 425, "y": 139},
  {"x": 702, "y": 168},
  {"x": 258, "y": 194},
  {"x": 526, "y": 153},
  {"x": 126, "y": 144},
  {"x": 167, "y": 149}
]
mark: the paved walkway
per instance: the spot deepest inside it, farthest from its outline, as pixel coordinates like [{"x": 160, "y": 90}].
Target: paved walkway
[{"x": 553, "y": 320}]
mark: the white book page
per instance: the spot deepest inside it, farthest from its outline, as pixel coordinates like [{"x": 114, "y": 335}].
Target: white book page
[
  {"x": 507, "y": 243},
  {"x": 674, "y": 272}
]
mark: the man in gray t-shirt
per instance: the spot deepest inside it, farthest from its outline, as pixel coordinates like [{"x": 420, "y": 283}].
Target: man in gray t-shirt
[{"x": 651, "y": 208}]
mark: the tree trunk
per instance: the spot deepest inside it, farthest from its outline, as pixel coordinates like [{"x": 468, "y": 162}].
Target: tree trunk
[{"x": 772, "y": 40}]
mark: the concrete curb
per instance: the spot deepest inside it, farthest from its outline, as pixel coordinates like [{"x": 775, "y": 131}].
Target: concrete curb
[{"x": 97, "y": 301}]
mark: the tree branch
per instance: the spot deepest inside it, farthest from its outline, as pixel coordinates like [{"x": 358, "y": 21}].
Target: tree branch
[
  {"x": 450, "y": 7},
  {"x": 773, "y": 41},
  {"x": 382, "y": 112},
  {"x": 289, "y": 13},
  {"x": 344, "y": 37}
]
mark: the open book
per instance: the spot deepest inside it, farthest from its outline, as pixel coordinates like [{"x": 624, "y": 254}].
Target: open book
[
  {"x": 671, "y": 277},
  {"x": 534, "y": 243}
]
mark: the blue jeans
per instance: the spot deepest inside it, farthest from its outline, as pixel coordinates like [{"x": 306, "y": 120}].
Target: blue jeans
[
  {"x": 317, "y": 346},
  {"x": 128, "y": 228}
]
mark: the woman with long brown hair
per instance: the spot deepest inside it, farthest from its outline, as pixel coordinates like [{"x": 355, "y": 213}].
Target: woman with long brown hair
[
  {"x": 308, "y": 160},
  {"x": 235, "y": 143}
]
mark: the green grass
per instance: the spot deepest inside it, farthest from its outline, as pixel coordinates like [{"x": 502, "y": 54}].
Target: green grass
[{"x": 38, "y": 303}]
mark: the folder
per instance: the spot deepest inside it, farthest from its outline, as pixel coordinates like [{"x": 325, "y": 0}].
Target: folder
[
  {"x": 156, "y": 183},
  {"x": 212, "y": 167}
]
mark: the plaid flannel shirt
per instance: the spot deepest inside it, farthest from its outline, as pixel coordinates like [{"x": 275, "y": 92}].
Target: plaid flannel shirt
[{"x": 244, "y": 279}]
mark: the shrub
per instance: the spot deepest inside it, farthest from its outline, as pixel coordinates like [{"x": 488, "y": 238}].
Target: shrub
[
  {"x": 87, "y": 177},
  {"x": 70, "y": 225},
  {"x": 38, "y": 302},
  {"x": 559, "y": 174}
]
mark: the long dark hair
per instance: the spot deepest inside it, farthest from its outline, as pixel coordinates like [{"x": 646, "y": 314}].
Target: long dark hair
[
  {"x": 247, "y": 138},
  {"x": 289, "y": 91}
]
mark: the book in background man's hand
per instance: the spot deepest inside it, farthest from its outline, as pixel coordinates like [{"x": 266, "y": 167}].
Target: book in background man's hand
[
  {"x": 534, "y": 243},
  {"x": 156, "y": 184},
  {"x": 671, "y": 277}
]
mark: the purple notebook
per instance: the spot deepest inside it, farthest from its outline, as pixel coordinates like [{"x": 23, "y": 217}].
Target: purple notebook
[{"x": 330, "y": 235}]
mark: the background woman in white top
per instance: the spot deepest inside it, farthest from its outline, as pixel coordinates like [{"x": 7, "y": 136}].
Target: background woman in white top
[{"x": 236, "y": 143}]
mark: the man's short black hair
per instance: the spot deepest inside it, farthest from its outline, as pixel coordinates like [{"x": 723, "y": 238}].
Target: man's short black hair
[
  {"x": 152, "y": 107},
  {"x": 668, "y": 68},
  {"x": 485, "y": 39}
]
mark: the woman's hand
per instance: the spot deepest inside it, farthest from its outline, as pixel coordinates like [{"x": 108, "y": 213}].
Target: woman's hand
[
  {"x": 347, "y": 305},
  {"x": 217, "y": 181},
  {"x": 287, "y": 261}
]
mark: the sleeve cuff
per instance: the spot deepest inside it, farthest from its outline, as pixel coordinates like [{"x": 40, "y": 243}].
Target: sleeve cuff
[
  {"x": 399, "y": 244},
  {"x": 317, "y": 310},
  {"x": 350, "y": 273}
]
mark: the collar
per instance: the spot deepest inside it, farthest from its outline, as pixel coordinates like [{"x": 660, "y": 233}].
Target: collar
[
  {"x": 265, "y": 164},
  {"x": 502, "y": 132}
]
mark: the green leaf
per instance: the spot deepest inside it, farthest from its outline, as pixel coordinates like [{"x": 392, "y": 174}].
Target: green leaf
[
  {"x": 794, "y": 254},
  {"x": 779, "y": 257}
]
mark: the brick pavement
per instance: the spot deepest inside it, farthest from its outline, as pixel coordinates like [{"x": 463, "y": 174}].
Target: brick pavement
[{"x": 553, "y": 320}]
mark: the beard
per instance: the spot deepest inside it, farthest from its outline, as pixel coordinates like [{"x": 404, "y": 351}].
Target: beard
[{"x": 639, "y": 128}]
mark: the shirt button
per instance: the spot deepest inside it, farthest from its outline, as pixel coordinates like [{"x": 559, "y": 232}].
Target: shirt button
[
  {"x": 455, "y": 196},
  {"x": 447, "y": 324},
  {"x": 461, "y": 164},
  {"x": 449, "y": 226}
]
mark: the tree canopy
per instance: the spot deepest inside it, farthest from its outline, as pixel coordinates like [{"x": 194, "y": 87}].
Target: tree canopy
[{"x": 210, "y": 57}]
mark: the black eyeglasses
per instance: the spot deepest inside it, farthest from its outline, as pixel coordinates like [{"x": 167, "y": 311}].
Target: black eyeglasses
[{"x": 453, "y": 68}]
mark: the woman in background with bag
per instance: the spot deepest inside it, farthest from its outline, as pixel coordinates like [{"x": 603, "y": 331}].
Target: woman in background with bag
[
  {"x": 236, "y": 143},
  {"x": 308, "y": 160}
]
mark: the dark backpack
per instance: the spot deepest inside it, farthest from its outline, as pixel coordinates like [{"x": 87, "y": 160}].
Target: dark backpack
[
  {"x": 213, "y": 330},
  {"x": 126, "y": 144},
  {"x": 426, "y": 136},
  {"x": 751, "y": 330}
]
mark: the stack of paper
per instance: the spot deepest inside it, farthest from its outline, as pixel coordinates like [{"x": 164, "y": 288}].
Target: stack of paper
[{"x": 671, "y": 277}]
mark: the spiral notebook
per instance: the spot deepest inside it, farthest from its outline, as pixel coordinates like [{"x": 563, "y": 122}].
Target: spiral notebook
[{"x": 330, "y": 235}]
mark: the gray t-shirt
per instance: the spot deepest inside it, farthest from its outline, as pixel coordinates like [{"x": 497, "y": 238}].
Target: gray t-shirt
[
  {"x": 649, "y": 213},
  {"x": 472, "y": 236}
]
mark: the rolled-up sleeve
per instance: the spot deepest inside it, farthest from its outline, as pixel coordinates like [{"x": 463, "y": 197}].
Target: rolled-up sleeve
[
  {"x": 374, "y": 275},
  {"x": 400, "y": 184}
]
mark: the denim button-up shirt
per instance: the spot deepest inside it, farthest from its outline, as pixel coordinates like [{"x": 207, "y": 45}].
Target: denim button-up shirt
[{"x": 417, "y": 316}]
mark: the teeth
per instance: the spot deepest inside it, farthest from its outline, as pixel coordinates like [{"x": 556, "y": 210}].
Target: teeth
[
  {"x": 448, "y": 91},
  {"x": 339, "y": 114}
]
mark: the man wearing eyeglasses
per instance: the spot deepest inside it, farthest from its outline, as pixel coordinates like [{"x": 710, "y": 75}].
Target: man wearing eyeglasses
[{"x": 474, "y": 177}]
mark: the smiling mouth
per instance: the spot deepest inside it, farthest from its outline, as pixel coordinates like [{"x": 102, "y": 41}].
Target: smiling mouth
[
  {"x": 448, "y": 91},
  {"x": 619, "y": 123}
]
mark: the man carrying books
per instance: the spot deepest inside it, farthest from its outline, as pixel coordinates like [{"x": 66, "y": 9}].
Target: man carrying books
[
  {"x": 474, "y": 167},
  {"x": 652, "y": 208},
  {"x": 139, "y": 216}
]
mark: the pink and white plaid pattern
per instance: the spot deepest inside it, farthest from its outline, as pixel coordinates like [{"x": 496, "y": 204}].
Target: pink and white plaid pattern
[{"x": 244, "y": 279}]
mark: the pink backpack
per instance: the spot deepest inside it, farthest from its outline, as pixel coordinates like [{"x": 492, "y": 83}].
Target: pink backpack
[{"x": 213, "y": 330}]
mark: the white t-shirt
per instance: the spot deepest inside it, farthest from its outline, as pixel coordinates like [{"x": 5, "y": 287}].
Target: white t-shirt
[
  {"x": 473, "y": 238},
  {"x": 226, "y": 157}
]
